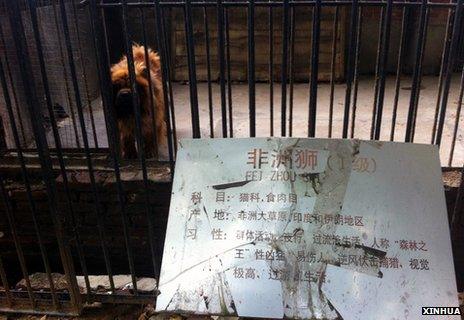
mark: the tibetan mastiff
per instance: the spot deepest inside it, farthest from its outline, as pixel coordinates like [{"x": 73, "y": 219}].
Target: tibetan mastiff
[{"x": 153, "y": 122}]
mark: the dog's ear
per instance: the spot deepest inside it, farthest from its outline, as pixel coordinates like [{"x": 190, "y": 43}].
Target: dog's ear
[{"x": 155, "y": 64}]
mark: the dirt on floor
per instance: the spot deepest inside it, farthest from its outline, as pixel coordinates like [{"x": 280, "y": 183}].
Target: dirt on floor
[
  {"x": 100, "y": 312},
  {"x": 115, "y": 312},
  {"x": 452, "y": 178},
  {"x": 135, "y": 312}
]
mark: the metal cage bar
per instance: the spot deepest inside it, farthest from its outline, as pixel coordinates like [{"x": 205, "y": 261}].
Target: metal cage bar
[{"x": 206, "y": 52}]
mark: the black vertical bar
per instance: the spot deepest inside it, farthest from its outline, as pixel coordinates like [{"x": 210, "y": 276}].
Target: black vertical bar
[
  {"x": 3, "y": 144},
  {"x": 192, "y": 70},
  {"x": 163, "y": 45},
  {"x": 444, "y": 61},
  {"x": 208, "y": 71},
  {"x": 106, "y": 37},
  {"x": 449, "y": 68},
  {"x": 457, "y": 215},
  {"x": 5, "y": 284},
  {"x": 271, "y": 70},
  {"x": 65, "y": 76},
  {"x": 14, "y": 233},
  {"x": 22, "y": 162},
  {"x": 416, "y": 106},
  {"x": 292, "y": 70},
  {"x": 138, "y": 131},
  {"x": 383, "y": 67},
  {"x": 84, "y": 75},
  {"x": 351, "y": 62},
  {"x": 150, "y": 84},
  {"x": 377, "y": 70},
  {"x": 399, "y": 67},
  {"x": 332, "y": 66},
  {"x": 229, "y": 83},
  {"x": 17, "y": 243},
  {"x": 12, "y": 224},
  {"x": 415, "y": 89},
  {"x": 80, "y": 113},
  {"x": 105, "y": 88},
  {"x": 124, "y": 216},
  {"x": 38, "y": 43},
  {"x": 356, "y": 71},
  {"x": 14, "y": 14},
  {"x": 456, "y": 119},
  {"x": 102, "y": 58},
  {"x": 221, "y": 63},
  {"x": 108, "y": 66},
  {"x": 251, "y": 67},
  {"x": 13, "y": 90},
  {"x": 285, "y": 24},
  {"x": 314, "y": 68}
]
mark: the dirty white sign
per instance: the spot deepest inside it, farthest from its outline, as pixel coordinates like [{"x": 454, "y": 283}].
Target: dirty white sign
[{"x": 307, "y": 228}]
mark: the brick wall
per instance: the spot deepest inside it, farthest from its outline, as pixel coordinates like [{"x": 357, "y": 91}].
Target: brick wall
[{"x": 238, "y": 33}]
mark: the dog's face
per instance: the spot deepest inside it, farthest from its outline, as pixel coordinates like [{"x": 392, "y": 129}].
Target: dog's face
[
  {"x": 147, "y": 88},
  {"x": 122, "y": 92}
]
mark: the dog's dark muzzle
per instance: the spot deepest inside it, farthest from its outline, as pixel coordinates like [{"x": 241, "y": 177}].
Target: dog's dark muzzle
[{"x": 123, "y": 103}]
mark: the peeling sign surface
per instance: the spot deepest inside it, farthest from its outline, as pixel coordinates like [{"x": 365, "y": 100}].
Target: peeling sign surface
[{"x": 308, "y": 229}]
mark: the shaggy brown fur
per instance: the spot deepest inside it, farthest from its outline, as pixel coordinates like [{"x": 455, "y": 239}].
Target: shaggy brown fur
[{"x": 123, "y": 106}]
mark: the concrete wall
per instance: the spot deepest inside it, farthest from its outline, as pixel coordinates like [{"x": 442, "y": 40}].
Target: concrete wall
[{"x": 58, "y": 74}]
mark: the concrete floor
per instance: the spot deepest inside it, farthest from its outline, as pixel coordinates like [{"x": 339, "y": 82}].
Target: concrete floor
[{"x": 424, "y": 124}]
